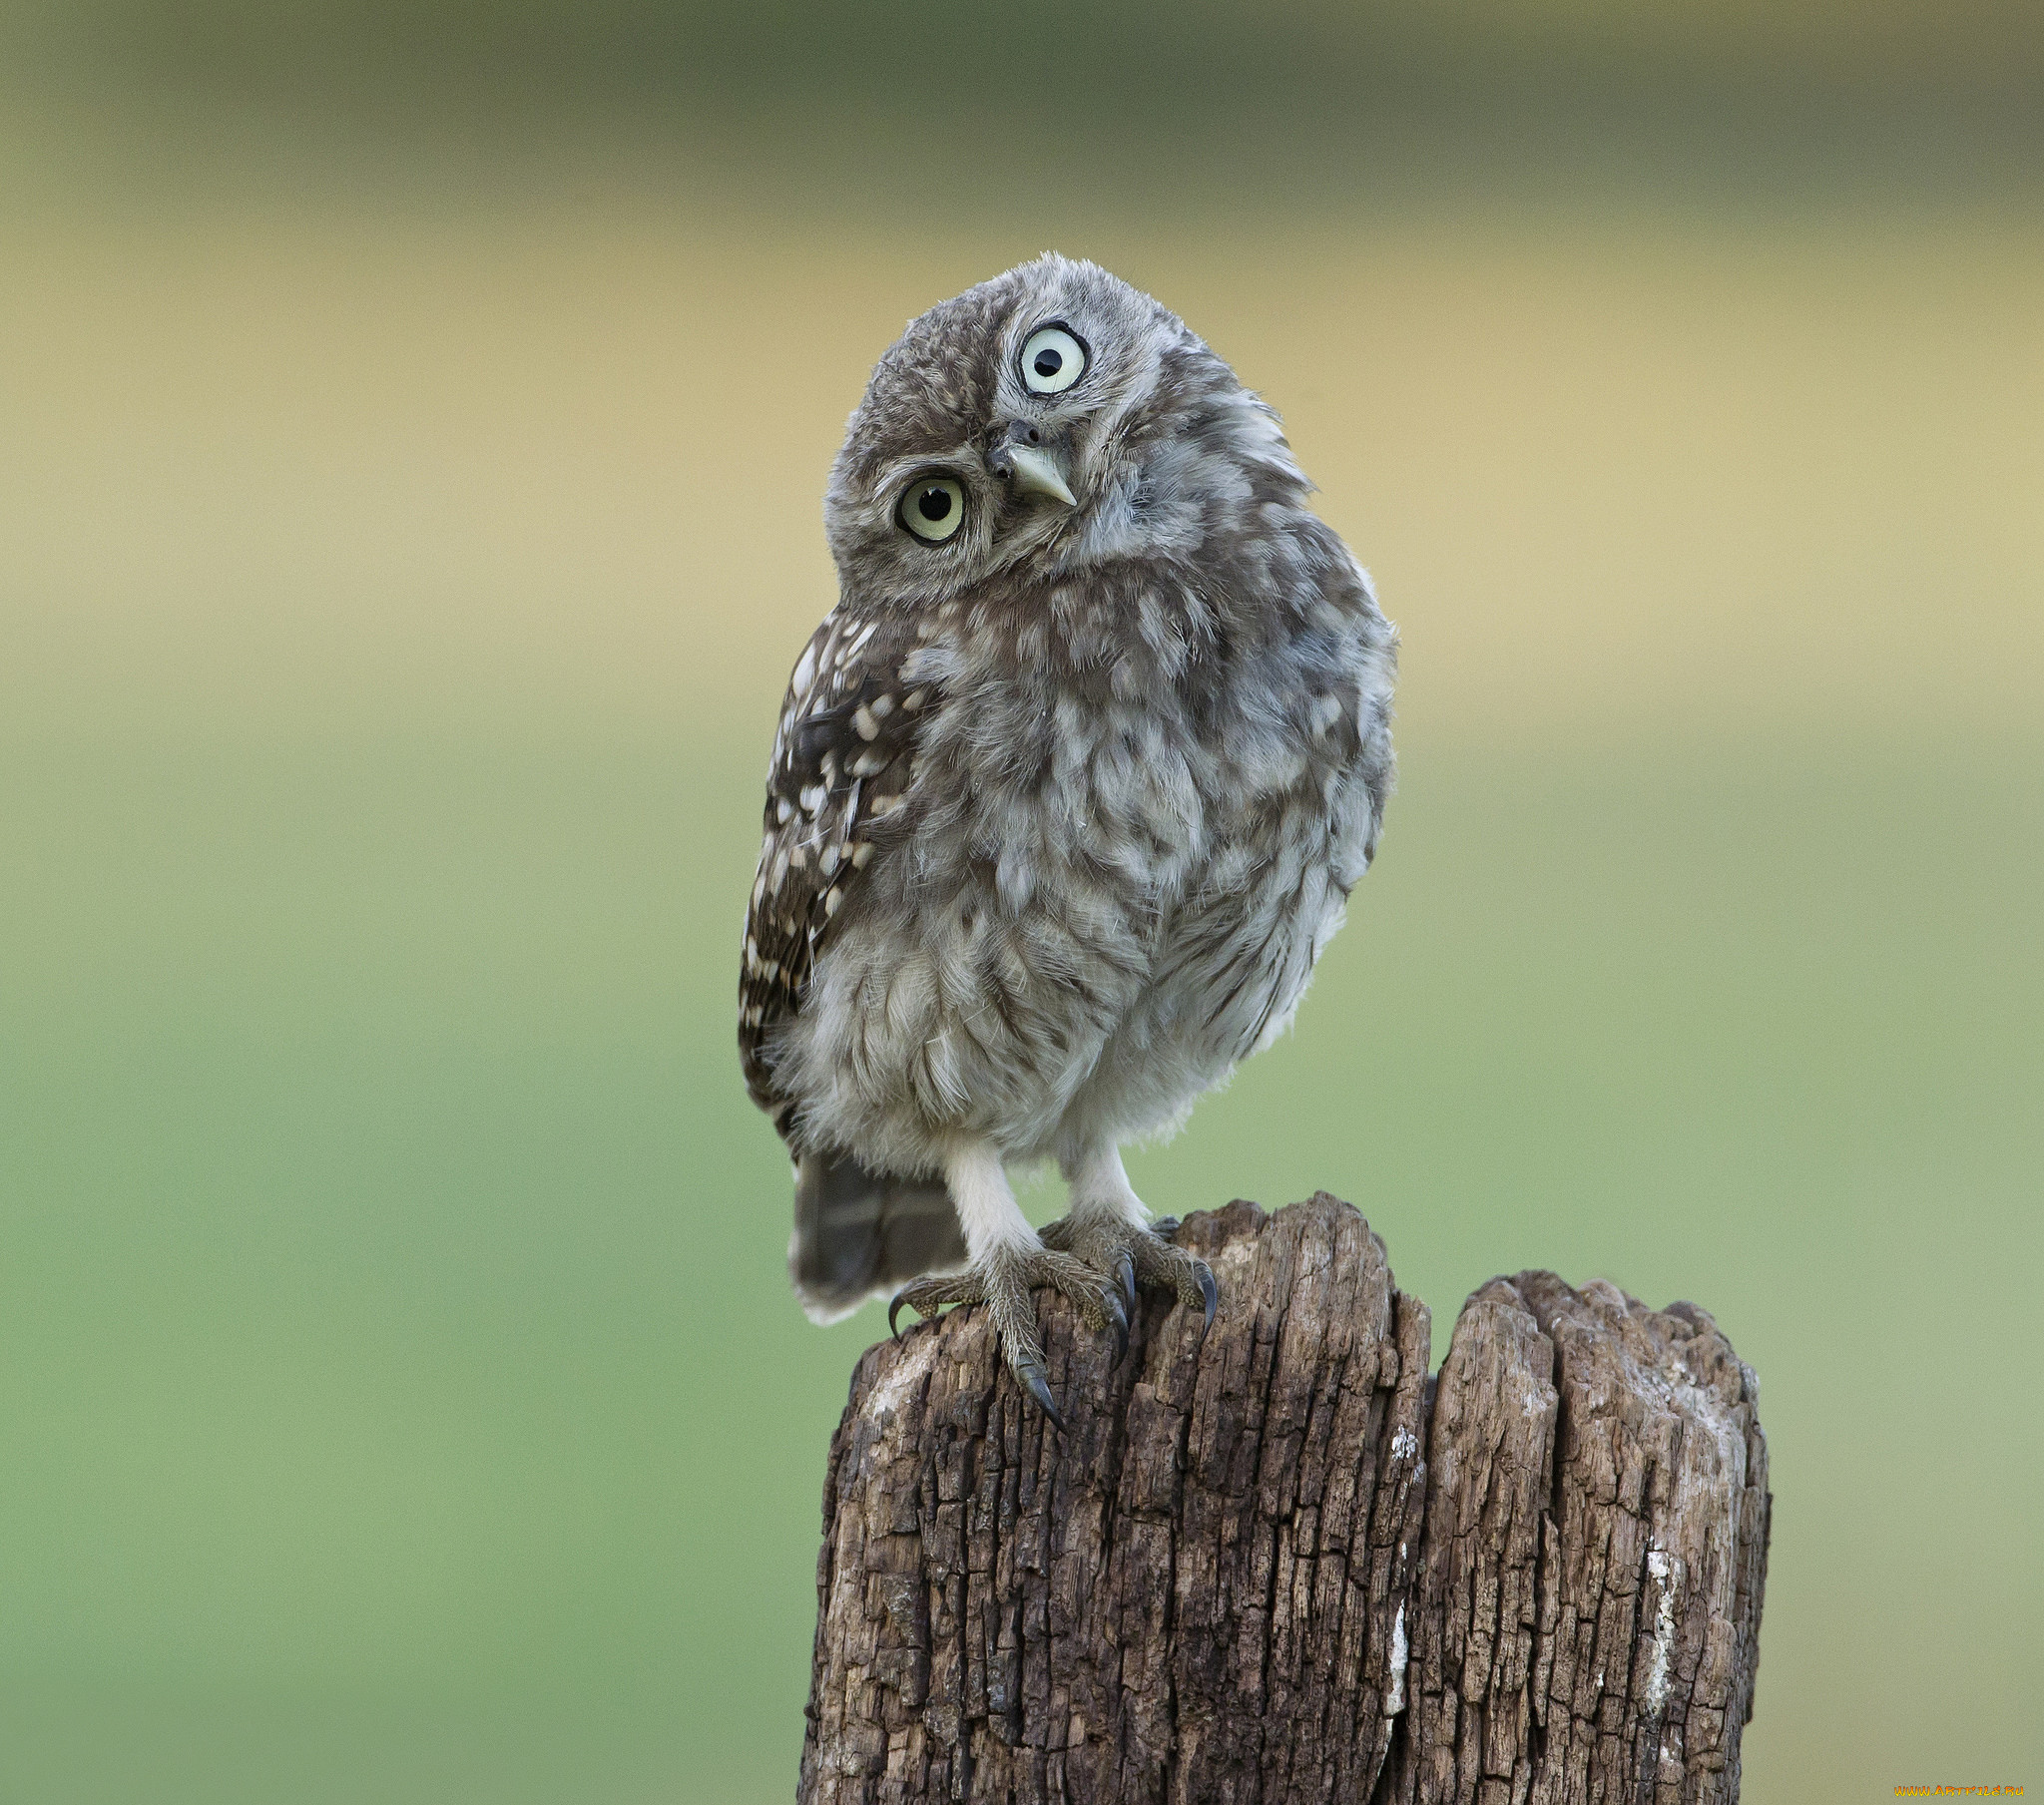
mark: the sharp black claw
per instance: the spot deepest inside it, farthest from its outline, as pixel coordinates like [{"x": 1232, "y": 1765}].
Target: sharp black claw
[
  {"x": 1038, "y": 1387},
  {"x": 1125, "y": 1271},
  {"x": 1119, "y": 1317},
  {"x": 894, "y": 1310},
  {"x": 1210, "y": 1293}
]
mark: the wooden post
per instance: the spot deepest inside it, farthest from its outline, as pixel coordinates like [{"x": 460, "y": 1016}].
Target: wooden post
[{"x": 1287, "y": 1568}]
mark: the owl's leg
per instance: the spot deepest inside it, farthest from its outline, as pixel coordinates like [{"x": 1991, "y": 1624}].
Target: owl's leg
[
  {"x": 1108, "y": 1229},
  {"x": 1007, "y": 1261}
]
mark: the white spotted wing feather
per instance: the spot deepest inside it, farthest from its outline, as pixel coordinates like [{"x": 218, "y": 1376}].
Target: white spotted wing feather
[{"x": 840, "y": 770}]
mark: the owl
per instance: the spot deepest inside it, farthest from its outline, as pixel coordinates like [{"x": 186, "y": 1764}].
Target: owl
[{"x": 1067, "y": 798}]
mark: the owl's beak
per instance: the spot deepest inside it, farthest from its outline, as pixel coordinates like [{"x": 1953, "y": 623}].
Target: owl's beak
[{"x": 1033, "y": 472}]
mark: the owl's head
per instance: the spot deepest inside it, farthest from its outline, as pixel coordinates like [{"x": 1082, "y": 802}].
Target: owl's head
[{"x": 1052, "y": 419}]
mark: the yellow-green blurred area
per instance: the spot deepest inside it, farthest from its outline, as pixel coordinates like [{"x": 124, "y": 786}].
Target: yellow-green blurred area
[{"x": 412, "y": 428}]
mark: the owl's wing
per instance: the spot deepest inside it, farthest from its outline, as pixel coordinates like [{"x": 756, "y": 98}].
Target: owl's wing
[{"x": 843, "y": 762}]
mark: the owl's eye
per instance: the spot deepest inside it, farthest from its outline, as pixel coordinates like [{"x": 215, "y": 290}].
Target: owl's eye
[
  {"x": 1052, "y": 361},
  {"x": 932, "y": 507}
]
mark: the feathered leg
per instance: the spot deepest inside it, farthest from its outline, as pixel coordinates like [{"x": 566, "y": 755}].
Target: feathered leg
[{"x": 1007, "y": 1261}]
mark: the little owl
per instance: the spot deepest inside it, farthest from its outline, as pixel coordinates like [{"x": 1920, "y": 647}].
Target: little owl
[{"x": 1067, "y": 796}]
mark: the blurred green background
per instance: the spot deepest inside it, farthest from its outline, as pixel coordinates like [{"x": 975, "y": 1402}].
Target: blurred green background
[{"x": 412, "y": 424}]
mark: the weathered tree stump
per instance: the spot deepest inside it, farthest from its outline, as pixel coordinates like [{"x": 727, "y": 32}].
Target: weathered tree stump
[{"x": 1285, "y": 1567}]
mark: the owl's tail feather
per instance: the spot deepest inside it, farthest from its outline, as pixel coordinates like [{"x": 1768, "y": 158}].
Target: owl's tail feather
[{"x": 860, "y": 1233}]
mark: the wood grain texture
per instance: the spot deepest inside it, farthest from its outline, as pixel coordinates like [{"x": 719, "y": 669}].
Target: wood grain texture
[
  {"x": 1587, "y": 1615},
  {"x": 1286, "y": 1565}
]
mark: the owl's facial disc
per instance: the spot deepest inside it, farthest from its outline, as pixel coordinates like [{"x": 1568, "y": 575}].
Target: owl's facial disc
[{"x": 1018, "y": 457}]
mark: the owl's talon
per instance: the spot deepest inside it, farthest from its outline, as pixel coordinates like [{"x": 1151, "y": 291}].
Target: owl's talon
[
  {"x": 1125, "y": 1271},
  {"x": 1129, "y": 1254},
  {"x": 1004, "y": 1280},
  {"x": 1118, "y": 1319},
  {"x": 1031, "y": 1374},
  {"x": 927, "y": 1296},
  {"x": 1094, "y": 1266}
]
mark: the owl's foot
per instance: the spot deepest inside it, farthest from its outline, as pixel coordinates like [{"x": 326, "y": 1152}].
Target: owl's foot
[
  {"x": 1138, "y": 1255},
  {"x": 1003, "y": 1280}
]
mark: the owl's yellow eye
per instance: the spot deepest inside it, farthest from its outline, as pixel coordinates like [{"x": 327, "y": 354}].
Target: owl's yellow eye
[
  {"x": 932, "y": 507},
  {"x": 1052, "y": 361}
]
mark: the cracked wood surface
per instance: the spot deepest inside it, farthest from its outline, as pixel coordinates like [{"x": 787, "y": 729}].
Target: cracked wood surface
[{"x": 1286, "y": 1565}]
